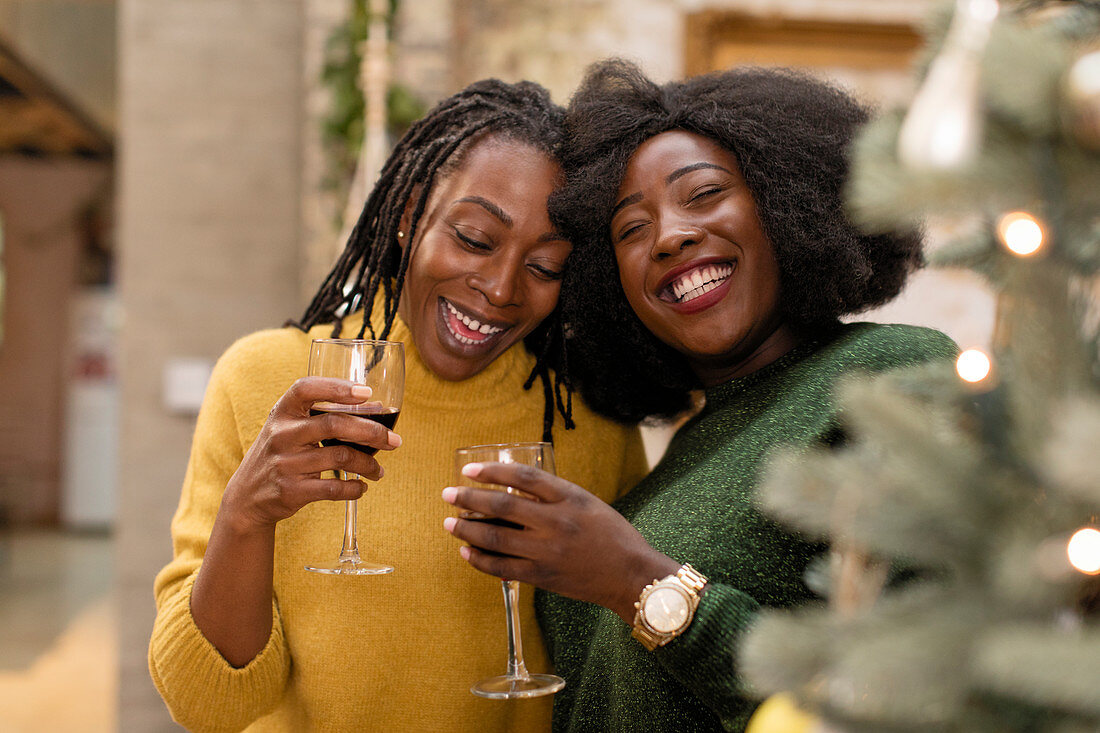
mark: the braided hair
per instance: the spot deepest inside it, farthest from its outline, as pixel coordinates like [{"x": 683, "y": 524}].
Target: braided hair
[
  {"x": 790, "y": 134},
  {"x": 432, "y": 148}
]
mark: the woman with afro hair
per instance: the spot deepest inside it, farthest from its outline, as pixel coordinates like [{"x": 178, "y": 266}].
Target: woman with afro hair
[{"x": 713, "y": 254}]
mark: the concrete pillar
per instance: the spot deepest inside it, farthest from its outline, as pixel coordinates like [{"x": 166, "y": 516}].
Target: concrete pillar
[
  {"x": 40, "y": 204},
  {"x": 208, "y": 235}
]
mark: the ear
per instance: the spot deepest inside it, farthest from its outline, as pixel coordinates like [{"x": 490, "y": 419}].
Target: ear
[{"x": 405, "y": 225}]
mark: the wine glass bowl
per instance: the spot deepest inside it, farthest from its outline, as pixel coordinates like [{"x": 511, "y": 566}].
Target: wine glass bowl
[
  {"x": 516, "y": 682},
  {"x": 379, "y": 365}
]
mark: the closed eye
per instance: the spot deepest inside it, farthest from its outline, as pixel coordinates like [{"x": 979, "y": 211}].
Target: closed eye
[
  {"x": 701, "y": 194},
  {"x": 475, "y": 244},
  {"x": 630, "y": 230},
  {"x": 546, "y": 273}
]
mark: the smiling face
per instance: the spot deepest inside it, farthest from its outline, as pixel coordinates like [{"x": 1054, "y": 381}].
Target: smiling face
[
  {"x": 486, "y": 265},
  {"x": 694, "y": 261}
]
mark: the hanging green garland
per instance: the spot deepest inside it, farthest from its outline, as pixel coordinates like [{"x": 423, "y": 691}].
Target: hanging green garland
[{"x": 342, "y": 126}]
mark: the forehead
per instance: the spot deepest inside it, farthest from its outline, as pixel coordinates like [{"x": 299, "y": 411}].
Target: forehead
[
  {"x": 670, "y": 151},
  {"x": 495, "y": 160}
]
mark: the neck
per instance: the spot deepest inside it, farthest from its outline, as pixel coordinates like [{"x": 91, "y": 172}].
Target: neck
[{"x": 776, "y": 344}]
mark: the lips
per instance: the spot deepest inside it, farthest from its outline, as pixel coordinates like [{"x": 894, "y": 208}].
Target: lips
[
  {"x": 469, "y": 329},
  {"x": 695, "y": 280}
]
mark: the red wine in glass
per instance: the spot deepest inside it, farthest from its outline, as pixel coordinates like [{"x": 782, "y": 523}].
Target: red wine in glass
[
  {"x": 387, "y": 416},
  {"x": 379, "y": 365}
]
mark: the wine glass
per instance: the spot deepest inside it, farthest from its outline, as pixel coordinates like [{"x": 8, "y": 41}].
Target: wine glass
[
  {"x": 381, "y": 366},
  {"x": 517, "y": 681}
]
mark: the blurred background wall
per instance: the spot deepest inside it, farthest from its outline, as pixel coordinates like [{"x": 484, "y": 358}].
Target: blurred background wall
[{"x": 193, "y": 204}]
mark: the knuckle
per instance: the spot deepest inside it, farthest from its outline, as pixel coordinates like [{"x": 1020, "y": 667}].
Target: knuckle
[
  {"x": 492, "y": 535},
  {"x": 569, "y": 526},
  {"x": 342, "y": 455},
  {"x": 499, "y": 502},
  {"x": 276, "y": 467},
  {"x": 492, "y": 565},
  {"x": 526, "y": 473},
  {"x": 332, "y": 422}
]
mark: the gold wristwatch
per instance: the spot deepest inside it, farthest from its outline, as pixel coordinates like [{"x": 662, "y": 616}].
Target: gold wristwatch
[{"x": 666, "y": 607}]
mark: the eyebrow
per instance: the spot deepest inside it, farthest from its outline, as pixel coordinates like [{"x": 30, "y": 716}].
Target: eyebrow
[
  {"x": 488, "y": 206},
  {"x": 678, "y": 173},
  {"x": 631, "y": 199},
  {"x": 693, "y": 167}
]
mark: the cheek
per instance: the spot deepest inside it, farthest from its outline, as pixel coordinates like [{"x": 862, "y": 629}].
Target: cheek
[
  {"x": 543, "y": 300},
  {"x": 632, "y": 282},
  {"x": 429, "y": 264}
]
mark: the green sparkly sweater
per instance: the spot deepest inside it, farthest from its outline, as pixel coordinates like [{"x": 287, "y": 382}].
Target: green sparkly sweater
[{"x": 696, "y": 506}]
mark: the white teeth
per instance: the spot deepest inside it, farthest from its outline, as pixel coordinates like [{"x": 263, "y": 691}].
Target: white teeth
[
  {"x": 472, "y": 324},
  {"x": 699, "y": 281}
]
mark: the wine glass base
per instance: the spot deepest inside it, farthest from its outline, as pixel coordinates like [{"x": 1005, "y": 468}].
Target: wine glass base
[
  {"x": 350, "y": 568},
  {"x": 504, "y": 687}
]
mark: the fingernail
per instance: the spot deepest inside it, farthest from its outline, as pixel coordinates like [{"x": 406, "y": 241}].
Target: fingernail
[
  {"x": 394, "y": 439},
  {"x": 360, "y": 391},
  {"x": 465, "y": 552},
  {"x": 449, "y": 494},
  {"x": 449, "y": 524},
  {"x": 471, "y": 470}
]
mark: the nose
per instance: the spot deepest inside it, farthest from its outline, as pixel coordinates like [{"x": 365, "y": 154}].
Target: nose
[
  {"x": 499, "y": 281},
  {"x": 673, "y": 235}
]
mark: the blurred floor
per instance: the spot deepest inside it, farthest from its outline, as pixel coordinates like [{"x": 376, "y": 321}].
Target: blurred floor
[{"x": 58, "y": 642}]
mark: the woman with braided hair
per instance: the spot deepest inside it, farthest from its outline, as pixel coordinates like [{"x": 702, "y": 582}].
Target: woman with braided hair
[
  {"x": 455, "y": 256},
  {"x": 713, "y": 254}
]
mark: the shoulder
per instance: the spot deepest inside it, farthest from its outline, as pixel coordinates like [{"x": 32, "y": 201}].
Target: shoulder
[
  {"x": 270, "y": 346},
  {"x": 275, "y": 356},
  {"x": 878, "y": 346}
]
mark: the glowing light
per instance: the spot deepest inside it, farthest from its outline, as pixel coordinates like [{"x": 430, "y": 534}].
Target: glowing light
[
  {"x": 1083, "y": 550},
  {"x": 1021, "y": 233},
  {"x": 1084, "y": 75},
  {"x": 973, "y": 365}
]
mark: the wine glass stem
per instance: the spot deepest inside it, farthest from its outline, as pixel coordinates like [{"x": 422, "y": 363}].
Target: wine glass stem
[
  {"x": 350, "y": 551},
  {"x": 516, "y": 667}
]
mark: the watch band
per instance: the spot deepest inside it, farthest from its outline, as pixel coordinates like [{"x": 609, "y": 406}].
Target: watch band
[{"x": 687, "y": 581}]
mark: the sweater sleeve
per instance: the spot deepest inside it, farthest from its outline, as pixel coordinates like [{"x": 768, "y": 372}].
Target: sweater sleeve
[
  {"x": 201, "y": 689},
  {"x": 703, "y": 657}
]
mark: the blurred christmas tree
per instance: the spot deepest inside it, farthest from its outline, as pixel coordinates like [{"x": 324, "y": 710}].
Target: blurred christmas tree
[{"x": 981, "y": 479}]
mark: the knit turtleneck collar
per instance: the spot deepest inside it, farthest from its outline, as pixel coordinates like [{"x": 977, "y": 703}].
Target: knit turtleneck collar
[{"x": 724, "y": 393}]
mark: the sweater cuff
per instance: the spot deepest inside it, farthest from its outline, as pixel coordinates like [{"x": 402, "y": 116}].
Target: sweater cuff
[
  {"x": 703, "y": 658},
  {"x": 202, "y": 690}
]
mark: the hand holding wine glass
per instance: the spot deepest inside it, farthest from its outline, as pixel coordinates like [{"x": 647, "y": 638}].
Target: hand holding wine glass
[
  {"x": 380, "y": 366},
  {"x": 516, "y": 682},
  {"x": 569, "y": 542}
]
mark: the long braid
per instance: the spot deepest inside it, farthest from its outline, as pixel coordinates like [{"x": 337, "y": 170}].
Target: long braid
[{"x": 431, "y": 149}]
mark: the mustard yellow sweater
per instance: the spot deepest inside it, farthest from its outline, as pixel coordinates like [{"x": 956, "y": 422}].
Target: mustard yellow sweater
[{"x": 390, "y": 653}]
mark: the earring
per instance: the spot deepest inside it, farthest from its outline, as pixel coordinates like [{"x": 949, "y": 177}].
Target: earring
[{"x": 400, "y": 234}]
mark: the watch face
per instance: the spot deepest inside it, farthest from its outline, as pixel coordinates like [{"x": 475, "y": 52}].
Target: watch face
[{"x": 666, "y": 610}]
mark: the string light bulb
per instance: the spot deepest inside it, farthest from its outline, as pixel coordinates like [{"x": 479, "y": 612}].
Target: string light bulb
[
  {"x": 1020, "y": 232},
  {"x": 973, "y": 365},
  {"x": 943, "y": 127},
  {"x": 1083, "y": 551}
]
